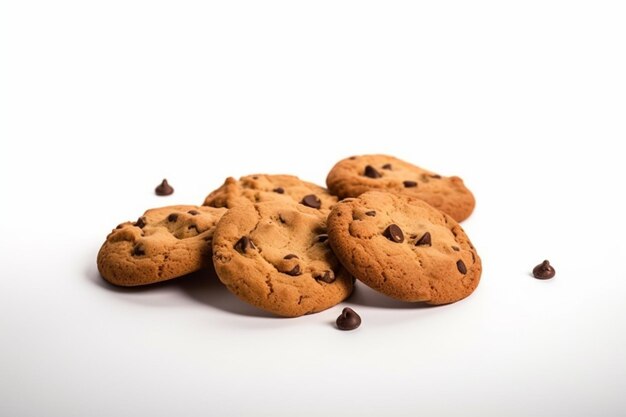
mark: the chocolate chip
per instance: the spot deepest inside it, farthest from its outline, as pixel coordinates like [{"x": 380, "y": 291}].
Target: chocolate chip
[
  {"x": 425, "y": 240},
  {"x": 291, "y": 256},
  {"x": 141, "y": 222},
  {"x": 164, "y": 188},
  {"x": 370, "y": 213},
  {"x": 279, "y": 190},
  {"x": 387, "y": 166},
  {"x": 544, "y": 270},
  {"x": 455, "y": 248},
  {"x": 371, "y": 172},
  {"x": 461, "y": 267},
  {"x": 138, "y": 250},
  {"x": 352, "y": 158},
  {"x": 243, "y": 244},
  {"x": 394, "y": 233},
  {"x": 348, "y": 320},
  {"x": 295, "y": 271},
  {"x": 193, "y": 212},
  {"x": 172, "y": 217},
  {"x": 322, "y": 238},
  {"x": 255, "y": 177},
  {"x": 437, "y": 176},
  {"x": 281, "y": 219},
  {"x": 409, "y": 184},
  {"x": 328, "y": 277},
  {"x": 193, "y": 226},
  {"x": 312, "y": 201}
]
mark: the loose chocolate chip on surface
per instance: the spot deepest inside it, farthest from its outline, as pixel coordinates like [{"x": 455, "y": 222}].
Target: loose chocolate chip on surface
[
  {"x": 387, "y": 166},
  {"x": 544, "y": 270},
  {"x": 140, "y": 223},
  {"x": 164, "y": 188},
  {"x": 243, "y": 244},
  {"x": 291, "y": 256},
  {"x": 371, "y": 172},
  {"x": 348, "y": 320},
  {"x": 322, "y": 238},
  {"x": 295, "y": 271},
  {"x": 425, "y": 240},
  {"x": 279, "y": 190},
  {"x": 172, "y": 217},
  {"x": 394, "y": 233},
  {"x": 193, "y": 212},
  {"x": 409, "y": 184},
  {"x": 460, "y": 265},
  {"x": 328, "y": 277},
  {"x": 370, "y": 213},
  {"x": 138, "y": 250},
  {"x": 312, "y": 201}
]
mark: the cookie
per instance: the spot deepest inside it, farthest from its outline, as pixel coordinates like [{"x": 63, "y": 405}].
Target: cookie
[
  {"x": 164, "y": 243},
  {"x": 263, "y": 187},
  {"x": 275, "y": 256},
  {"x": 404, "y": 248},
  {"x": 353, "y": 176}
]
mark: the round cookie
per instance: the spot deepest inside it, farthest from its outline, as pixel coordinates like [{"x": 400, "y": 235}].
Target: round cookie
[
  {"x": 353, "y": 176},
  {"x": 164, "y": 243},
  {"x": 263, "y": 187},
  {"x": 275, "y": 256},
  {"x": 404, "y": 248}
]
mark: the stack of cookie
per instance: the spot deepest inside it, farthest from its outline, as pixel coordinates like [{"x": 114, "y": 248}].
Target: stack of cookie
[{"x": 294, "y": 248}]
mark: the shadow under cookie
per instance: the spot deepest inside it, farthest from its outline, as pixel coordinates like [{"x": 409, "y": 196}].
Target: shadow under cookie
[{"x": 367, "y": 297}]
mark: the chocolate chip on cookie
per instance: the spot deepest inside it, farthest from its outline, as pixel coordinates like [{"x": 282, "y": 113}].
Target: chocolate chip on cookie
[
  {"x": 312, "y": 201},
  {"x": 394, "y": 233},
  {"x": 371, "y": 172},
  {"x": 425, "y": 240}
]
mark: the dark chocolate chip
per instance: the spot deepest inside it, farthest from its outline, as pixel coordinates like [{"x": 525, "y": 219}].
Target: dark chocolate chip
[
  {"x": 291, "y": 256},
  {"x": 193, "y": 212},
  {"x": 138, "y": 250},
  {"x": 544, "y": 270},
  {"x": 348, "y": 320},
  {"x": 425, "y": 240},
  {"x": 164, "y": 188},
  {"x": 455, "y": 248},
  {"x": 281, "y": 219},
  {"x": 394, "y": 233},
  {"x": 352, "y": 158},
  {"x": 322, "y": 238},
  {"x": 328, "y": 277},
  {"x": 255, "y": 177},
  {"x": 243, "y": 244},
  {"x": 437, "y": 176},
  {"x": 172, "y": 217},
  {"x": 119, "y": 226},
  {"x": 409, "y": 184},
  {"x": 141, "y": 222},
  {"x": 193, "y": 226},
  {"x": 295, "y": 271},
  {"x": 460, "y": 265},
  {"x": 279, "y": 190},
  {"x": 370, "y": 213},
  {"x": 312, "y": 201},
  {"x": 371, "y": 172},
  {"x": 387, "y": 166}
]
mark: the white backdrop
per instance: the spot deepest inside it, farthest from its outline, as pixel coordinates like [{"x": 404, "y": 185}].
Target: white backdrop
[{"x": 101, "y": 100}]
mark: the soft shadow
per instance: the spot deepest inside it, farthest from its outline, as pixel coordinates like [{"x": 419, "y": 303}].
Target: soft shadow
[
  {"x": 367, "y": 297},
  {"x": 206, "y": 288}
]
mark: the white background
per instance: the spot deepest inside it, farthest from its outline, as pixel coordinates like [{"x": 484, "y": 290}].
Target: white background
[{"x": 101, "y": 100}]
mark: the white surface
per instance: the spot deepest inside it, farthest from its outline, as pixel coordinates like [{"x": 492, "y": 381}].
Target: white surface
[{"x": 100, "y": 100}]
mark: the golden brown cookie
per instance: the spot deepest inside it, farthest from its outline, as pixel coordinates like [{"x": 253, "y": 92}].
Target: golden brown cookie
[
  {"x": 263, "y": 187},
  {"x": 164, "y": 243},
  {"x": 404, "y": 248},
  {"x": 353, "y": 176},
  {"x": 275, "y": 255}
]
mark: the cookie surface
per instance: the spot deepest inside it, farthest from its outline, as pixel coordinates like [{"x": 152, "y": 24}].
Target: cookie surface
[
  {"x": 404, "y": 248},
  {"x": 353, "y": 176},
  {"x": 263, "y": 187},
  {"x": 164, "y": 243},
  {"x": 275, "y": 255}
]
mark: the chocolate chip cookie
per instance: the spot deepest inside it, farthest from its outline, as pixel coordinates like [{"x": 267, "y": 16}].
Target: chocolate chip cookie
[
  {"x": 404, "y": 248},
  {"x": 275, "y": 255},
  {"x": 353, "y": 176},
  {"x": 263, "y": 187},
  {"x": 164, "y": 243}
]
